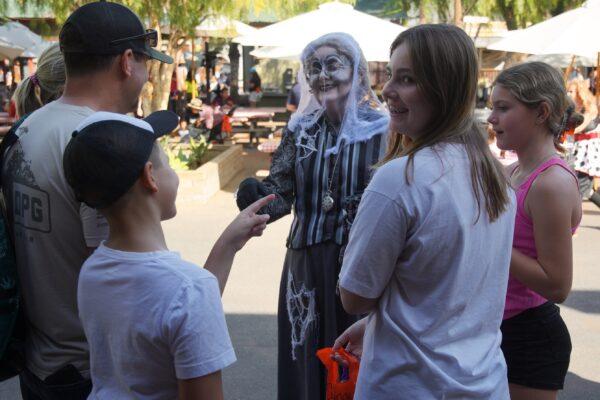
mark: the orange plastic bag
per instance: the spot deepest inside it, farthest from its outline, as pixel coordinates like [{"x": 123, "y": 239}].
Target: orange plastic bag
[{"x": 341, "y": 380}]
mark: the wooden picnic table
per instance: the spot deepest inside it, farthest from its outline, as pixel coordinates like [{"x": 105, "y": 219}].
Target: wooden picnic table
[
  {"x": 258, "y": 113},
  {"x": 249, "y": 118}
]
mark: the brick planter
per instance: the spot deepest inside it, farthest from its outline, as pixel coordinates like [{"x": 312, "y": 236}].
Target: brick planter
[{"x": 200, "y": 184}]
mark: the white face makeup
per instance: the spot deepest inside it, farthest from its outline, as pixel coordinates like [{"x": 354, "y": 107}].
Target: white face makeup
[
  {"x": 334, "y": 84},
  {"x": 329, "y": 75}
]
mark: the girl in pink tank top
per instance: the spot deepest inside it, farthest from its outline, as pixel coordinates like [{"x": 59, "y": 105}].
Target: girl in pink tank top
[
  {"x": 519, "y": 297},
  {"x": 530, "y": 111}
]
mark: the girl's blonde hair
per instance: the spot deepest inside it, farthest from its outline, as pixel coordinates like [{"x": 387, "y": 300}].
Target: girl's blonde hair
[
  {"x": 444, "y": 62},
  {"x": 534, "y": 83},
  {"x": 45, "y": 85}
]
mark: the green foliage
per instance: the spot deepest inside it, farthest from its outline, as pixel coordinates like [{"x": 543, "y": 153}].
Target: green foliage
[
  {"x": 181, "y": 159},
  {"x": 281, "y": 8},
  {"x": 183, "y": 15},
  {"x": 522, "y": 13},
  {"x": 178, "y": 160},
  {"x": 197, "y": 150},
  {"x": 427, "y": 9},
  {"x": 516, "y": 13}
]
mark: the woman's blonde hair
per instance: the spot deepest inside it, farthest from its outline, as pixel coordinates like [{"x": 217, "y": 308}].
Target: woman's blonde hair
[
  {"x": 45, "y": 85},
  {"x": 534, "y": 83},
  {"x": 444, "y": 62},
  {"x": 583, "y": 94}
]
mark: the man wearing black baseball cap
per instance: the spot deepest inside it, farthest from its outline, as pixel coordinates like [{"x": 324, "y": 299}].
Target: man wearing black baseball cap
[
  {"x": 108, "y": 28},
  {"x": 106, "y": 48}
]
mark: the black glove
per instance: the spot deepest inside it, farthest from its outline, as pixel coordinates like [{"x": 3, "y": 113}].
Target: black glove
[{"x": 249, "y": 191}]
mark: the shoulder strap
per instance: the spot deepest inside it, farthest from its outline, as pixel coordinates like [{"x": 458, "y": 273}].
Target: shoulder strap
[
  {"x": 9, "y": 140},
  {"x": 545, "y": 166}
]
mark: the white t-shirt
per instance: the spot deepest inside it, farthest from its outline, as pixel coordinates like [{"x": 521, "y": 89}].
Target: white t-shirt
[
  {"x": 440, "y": 279},
  {"x": 52, "y": 231},
  {"x": 150, "y": 319}
]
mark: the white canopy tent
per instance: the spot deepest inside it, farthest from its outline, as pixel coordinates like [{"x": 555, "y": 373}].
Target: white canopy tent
[
  {"x": 223, "y": 27},
  {"x": 9, "y": 50},
  {"x": 37, "y": 50},
  {"x": 563, "y": 60},
  {"x": 18, "y": 34},
  {"x": 287, "y": 39},
  {"x": 574, "y": 32},
  {"x": 218, "y": 26}
]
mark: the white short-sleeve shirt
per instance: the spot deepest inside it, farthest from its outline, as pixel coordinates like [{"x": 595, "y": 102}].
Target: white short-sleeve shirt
[
  {"x": 150, "y": 319},
  {"x": 440, "y": 274}
]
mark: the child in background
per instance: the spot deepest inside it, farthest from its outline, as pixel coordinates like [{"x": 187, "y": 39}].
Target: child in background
[{"x": 154, "y": 322}]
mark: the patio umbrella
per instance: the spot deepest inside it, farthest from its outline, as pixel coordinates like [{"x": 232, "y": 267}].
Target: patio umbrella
[
  {"x": 37, "y": 50},
  {"x": 563, "y": 60},
  {"x": 573, "y": 32},
  {"x": 218, "y": 26},
  {"x": 286, "y": 39},
  {"x": 223, "y": 27},
  {"x": 18, "y": 34},
  {"x": 9, "y": 50}
]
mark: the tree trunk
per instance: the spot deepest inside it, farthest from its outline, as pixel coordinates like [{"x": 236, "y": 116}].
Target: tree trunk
[
  {"x": 161, "y": 73},
  {"x": 146, "y": 95},
  {"x": 422, "y": 18},
  {"x": 162, "y": 88},
  {"x": 508, "y": 13},
  {"x": 458, "y": 13},
  {"x": 443, "y": 8},
  {"x": 234, "y": 60}
]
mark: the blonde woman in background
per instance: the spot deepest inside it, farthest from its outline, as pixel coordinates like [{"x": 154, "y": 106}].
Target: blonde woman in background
[
  {"x": 585, "y": 103},
  {"x": 44, "y": 86},
  {"x": 585, "y": 155}
]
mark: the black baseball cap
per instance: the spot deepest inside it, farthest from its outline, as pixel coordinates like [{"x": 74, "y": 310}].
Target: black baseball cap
[
  {"x": 108, "y": 151},
  {"x": 104, "y": 28}
]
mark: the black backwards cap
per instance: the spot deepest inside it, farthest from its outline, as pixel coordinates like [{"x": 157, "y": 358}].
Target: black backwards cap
[
  {"x": 105, "y": 28},
  {"x": 108, "y": 152}
]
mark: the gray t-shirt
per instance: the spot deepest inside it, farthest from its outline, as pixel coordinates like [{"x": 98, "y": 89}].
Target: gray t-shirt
[
  {"x": 440, "y": 278},
  {"x": 151, "y": 319},
  {"x": 52, "y": 231}
]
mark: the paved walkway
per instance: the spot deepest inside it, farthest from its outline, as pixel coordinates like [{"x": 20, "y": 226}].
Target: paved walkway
[{"x": 250, "y": 299}]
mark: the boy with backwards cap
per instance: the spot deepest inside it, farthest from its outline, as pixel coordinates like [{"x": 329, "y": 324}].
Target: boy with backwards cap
[{"x": 154, "y": 322}]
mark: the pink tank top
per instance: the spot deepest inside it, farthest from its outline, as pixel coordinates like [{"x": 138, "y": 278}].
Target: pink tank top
[{"x": 518, "y": 296}]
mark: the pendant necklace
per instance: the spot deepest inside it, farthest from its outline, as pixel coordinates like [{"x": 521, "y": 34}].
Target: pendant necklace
[{"x": 327, "y": 203}]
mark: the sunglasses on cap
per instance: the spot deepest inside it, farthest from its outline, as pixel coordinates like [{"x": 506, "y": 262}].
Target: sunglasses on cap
[{"x": 151, "y": 38}]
